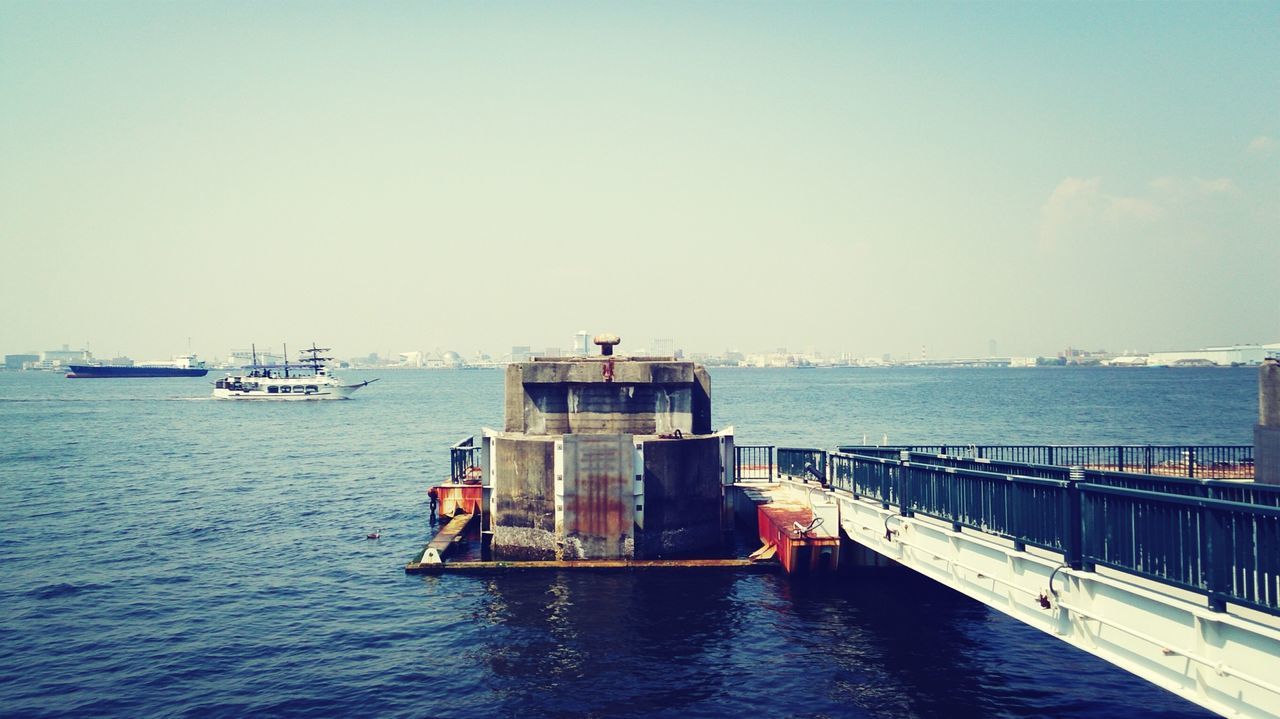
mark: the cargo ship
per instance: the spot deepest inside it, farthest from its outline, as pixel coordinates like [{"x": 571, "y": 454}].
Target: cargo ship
[{"x": 181, "y": 366}]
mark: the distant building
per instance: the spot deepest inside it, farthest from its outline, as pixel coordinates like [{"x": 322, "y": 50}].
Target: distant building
[
  {"x": 581, "y": 343},
  {"x": 245, "y": 358},
  {"x": 521, "y": 353},
  {"x": 409, "y": 359},
  {"x": 64, "y": 356},
  {"x": 664, "y": 348},
  {"x": 1127, "y": 361},
  {"x": 20, "y": 361},
  {"x": 1224, "y": 356},
  {"x": 552, "y": 352}
]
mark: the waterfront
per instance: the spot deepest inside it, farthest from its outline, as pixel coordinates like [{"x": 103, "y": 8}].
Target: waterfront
[{"x": 166, "y": 554}]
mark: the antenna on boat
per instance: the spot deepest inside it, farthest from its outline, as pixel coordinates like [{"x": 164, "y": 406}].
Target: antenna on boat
[
  {"x": 254, "y": 349},
  {"x": 286, "y": 359}
]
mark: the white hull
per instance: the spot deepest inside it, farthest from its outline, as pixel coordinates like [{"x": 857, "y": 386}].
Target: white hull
[
  {"x": 335, "y": 392},
  {"x": 309, "y": 380}
]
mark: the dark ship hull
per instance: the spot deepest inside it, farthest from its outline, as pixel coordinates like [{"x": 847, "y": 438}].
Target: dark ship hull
[{"x": 79, "y": 371}]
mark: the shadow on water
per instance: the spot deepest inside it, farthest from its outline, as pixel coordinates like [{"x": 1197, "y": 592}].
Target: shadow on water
[
  {"x": 899, "y": 644},
  {"x": 592, "y": 644}
]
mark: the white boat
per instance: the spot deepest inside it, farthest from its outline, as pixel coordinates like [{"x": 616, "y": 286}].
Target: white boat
[{"x": 307, "y": 380}]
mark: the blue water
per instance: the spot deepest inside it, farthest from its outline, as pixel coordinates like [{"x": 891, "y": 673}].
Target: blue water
[{"x": 167, "y": 555}]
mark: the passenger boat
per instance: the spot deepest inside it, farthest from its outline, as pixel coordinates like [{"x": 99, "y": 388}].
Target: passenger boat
[{"x": 309, "y": 379}]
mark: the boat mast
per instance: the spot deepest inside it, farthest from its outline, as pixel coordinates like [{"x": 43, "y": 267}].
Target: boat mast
[
  {"x": 315, "y": 360},
  {"x": 286, "y": 359}
]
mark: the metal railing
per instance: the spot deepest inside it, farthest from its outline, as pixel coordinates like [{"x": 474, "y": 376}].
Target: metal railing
[
  {"x": 802, "y": 462},
  {"x": 1228, "y": 550},
  {"x": 464, "y": 460},
  {"x": 753, "y": 461},
  {"x": 1203, "y": 461},
  {"x": 1229, "y": 490},
  {"x": 1218, "y": 538}
]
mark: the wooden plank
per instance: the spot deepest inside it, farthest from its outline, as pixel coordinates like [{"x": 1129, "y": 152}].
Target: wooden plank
[
  {"x": 593, "y": 565},
  {"x": 439, "y": 547}
]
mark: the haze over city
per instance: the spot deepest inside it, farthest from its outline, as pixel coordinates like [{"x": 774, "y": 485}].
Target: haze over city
[{"x": 859, "y": 178}]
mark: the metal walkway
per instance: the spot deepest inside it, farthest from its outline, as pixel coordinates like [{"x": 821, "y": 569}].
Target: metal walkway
[{"x": 1175, "y": 580}]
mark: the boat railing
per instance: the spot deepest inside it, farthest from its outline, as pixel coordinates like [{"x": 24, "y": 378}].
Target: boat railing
[{"x": 464, "y": 460}]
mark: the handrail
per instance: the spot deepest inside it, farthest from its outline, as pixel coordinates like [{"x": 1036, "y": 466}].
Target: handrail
[
  {"x": 1219, "y": 461},
  {"x": 753, "y": 461},
  {"x": 1191, "y": 533}
]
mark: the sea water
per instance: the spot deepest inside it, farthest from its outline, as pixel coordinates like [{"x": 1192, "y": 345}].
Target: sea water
[{"x": 164, "y": 554}]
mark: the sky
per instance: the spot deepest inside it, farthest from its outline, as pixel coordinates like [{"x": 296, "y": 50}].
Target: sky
[{"x": 860, "y": 178}]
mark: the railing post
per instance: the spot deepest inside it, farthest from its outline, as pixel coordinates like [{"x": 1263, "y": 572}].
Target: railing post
[
  {"x": 1214, "y": 554},
  {"x": 1050, "y": 455},
  {"x": 1120, "y": 458},
  {"x": 1146, "y": 466},
  {"x": 1073, "y": 534},
  {"x": 904, "y": 484},
  {"x": 886, "y": 482},
  {"x": 772, "y": 464},
  {"x": 486, "y": 497},
  {"x": 1191, "y": 462}
]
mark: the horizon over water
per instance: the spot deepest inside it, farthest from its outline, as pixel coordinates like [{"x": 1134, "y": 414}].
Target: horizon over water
[{"x": 166, "y": 554}]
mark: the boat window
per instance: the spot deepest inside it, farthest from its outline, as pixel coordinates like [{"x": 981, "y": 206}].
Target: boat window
[
  {"x": 312, "y": 388},
  {"x": 272, "y": 389},
  {"x": 221, "y": 384},
  {"x": 286, "y": 389}
]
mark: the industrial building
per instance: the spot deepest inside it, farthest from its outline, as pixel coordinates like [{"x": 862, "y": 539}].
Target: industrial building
[{"x": 1222, "y": 356}]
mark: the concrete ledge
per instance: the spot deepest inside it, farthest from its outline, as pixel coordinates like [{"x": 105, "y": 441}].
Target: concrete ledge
[
  {"x": 744, "y": 565},
  {"x": 590, "y": 371}
]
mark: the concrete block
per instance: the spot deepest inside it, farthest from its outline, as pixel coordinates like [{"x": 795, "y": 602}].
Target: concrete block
[
  {"x": 591, "y": 371},
  {"x": 514, "y": 399}
]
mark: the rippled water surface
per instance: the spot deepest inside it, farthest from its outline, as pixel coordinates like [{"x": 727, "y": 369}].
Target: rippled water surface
[{"x": 164, "y": 554}]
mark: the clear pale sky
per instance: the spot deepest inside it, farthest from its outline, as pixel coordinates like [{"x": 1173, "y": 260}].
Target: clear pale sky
[{"x": 852, "y": 177}]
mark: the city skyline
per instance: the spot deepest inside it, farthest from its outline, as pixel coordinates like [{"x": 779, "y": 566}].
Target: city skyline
[
  {"x": 653, "y": 346},
  {"x": 868, "y": 178}
]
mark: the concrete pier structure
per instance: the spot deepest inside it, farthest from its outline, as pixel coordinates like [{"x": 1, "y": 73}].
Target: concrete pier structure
[
  {"x": 606, "y": 458},
  {"x": 1266, "y": 435}
]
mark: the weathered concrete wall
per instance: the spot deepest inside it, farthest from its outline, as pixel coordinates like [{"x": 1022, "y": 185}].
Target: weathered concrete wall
[
  {"x": 1266, "y": 435},
  {"x": 681, "y": 498},
  {"x": 513, "y": 399},
  {"x": 629, "y": 409},
  {"x": 524, "y": 521},
  {"x": 546, "y": 409},
  {"x": 581, "y": 397},
  {"x": 701, "y": 401},
  {"x": 626, "y": 370},
  {"x": 598, "y": 517},
  {"x": 595, "y": 407}
]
